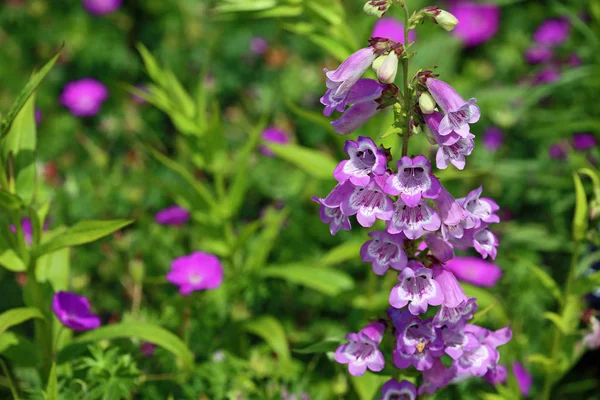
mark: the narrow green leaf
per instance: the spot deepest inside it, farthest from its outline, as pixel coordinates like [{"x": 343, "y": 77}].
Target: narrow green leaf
[
  {"x": 245, "y": 6},
  {"x": 313, "y": 162},
  {"x": 544, "y": 279},
  {"x": 8, "y": 339},
  {"x": 580, "y": 219},
  {"x": 323, "y": 346},
  {"x": 261, "y": 247},
  {"x": 344, "y": 252},
  {"x": 271, "y": 331},
  {"x": 54, "y": 268},
  {"x": 151, "y": 65},
  {"x": 52, "y": 388},
  {"x": 557, "y": 320},
  {"x": 331, "y": 46},
  {"x": 542, "y": 360},
  {"x": 17, "y": 316},
  {"x": 325, "y": 280},
  {"x": 368, "y": 385},
  {"x": 10, "y": 201},
  {"x": 81, "y": 233}
]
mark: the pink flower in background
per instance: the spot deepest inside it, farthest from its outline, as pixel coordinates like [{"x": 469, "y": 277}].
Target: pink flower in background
[
  {"x": 391, "y": 28},
  {"x": 102, "y": 7},
  {"x": 547, "y": 75},
  {"x": 536, "y": 55},
  {"x": 148, "y": 349},
  {"x": 84, "y": 97},
  {"x": 552, "y": 32},
  {"x": 174, "y": 215},
  {"x": 493, "y": 138},
  {"x": 475, "y": 271},
  {"x": 259, "y": 45},
  {"x": 479, "y": 22},
  {"x": 197, "y": 271},
  {"x": 524, "y": 378},
  {"x": 273, "y": 135},
  {"x": 584, "y": 141}
]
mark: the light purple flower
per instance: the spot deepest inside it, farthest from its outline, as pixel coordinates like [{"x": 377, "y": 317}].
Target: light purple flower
[
  {"x": 84, "y": 97},
  {"x": 102, "y": 7},
  {"x": 174, "y": 215},
  {"x": 458, "y": 113},
  {"x": 524, "y": 378},
  {"x": 486, "y": 243},
  {"x": 362, "y": 351},
  {"x": 342, "y": 79},
  {"x": 384, "y": 251},
  {"x": 552, "y": 32},
  {"x": 333, "y": 216},
  {"x": 537, "y": 55},
  {"x": 259, "y": 45},
  {"x": 355, "y": 117},
  {"x": 479, "y": 209},
  {"x": 433, "y": 123},
  {"x": 493, "y": 138},
  {"x": 475, "y": 271},
  {"x": 584, "y": 141},
  {"x": 27, "y": 230},
  {"x": 450, "y": 209},
  {"x": 394, "y": 390},
  {"x": 454, "y": 295},
  {"x": 455, "y": 153},
  {"x": 497, "y": 375},
  {"x": 363, "y": 91},
  {"x": 413, "y": 181},
  {"x": 439, "y": 247},
  {"x": 438, "y": 376},
  {"x": 417, "y": 287},
  {"x": 392, "y": 29},
  {"x": 478, "y": 22},
  {"x": 417, "y": 343},
  {"x": 453, "y": 317},
  {"x": 74, "y": 311},
  {"x": 412, "y": 221},
  {"x": 197, "y": 271},
  {"x": 365, "y": 159},
  {"x": 480, "y": 354},
  {"x": 273, "y": 135}
]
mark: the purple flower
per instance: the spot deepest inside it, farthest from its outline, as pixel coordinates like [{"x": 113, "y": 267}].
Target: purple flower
[
  {"x": 363, "y": 91},
  {"x": 413, "y": 220},
  {"x": 433, "y": 123},
  {"x": 557, "y": 152},
  {"x": 259, "y": 45},
  {"x": 454, "y": 295},
  {"x": 479, "y": 210},
  {"x": 552, "y": 32},
  {"x": 273, "y": 135},
  {"x": 174, "y": 215},
  {"x": 333, "y": 216},
  {"x": 537, "y": 55},
  {"x": 524, "y": 378},
  {"x": 493, "y": 138},
  {"x": 384, "y": 251},
  {"x": 439, "y": 247},
  {"x": 74, "y": 311},
  {"x": 475, "y": 271},
  {"x": 393, "y": 389},
  {"x": 453, "y": 317},
  {"x": 417, "y": 287},
  {"x": 574, "y": 60},
  {"x": 584, "y": 141},
  {"x": 416, "y": 343},
  {"x": 27, "y": 230},
  {"x": 365, "y": 159},
  {"x": 39, "y": 116},
  {"x": 362, "y": 351},
  {"x": 413, "y": 181},
  {"x": 392, "y": 29},
  {"x": 102, "y": 7},
  {"x": 455, "y": 153},
  {"x": 497, "y": 375},
  {"x": 197, "y": 271},
  {"x": 148, "y": 349},
  {"x": 480, "y": 354},
  {"x": 458, "y": 113},
  {"x": 84, "y": 97},
  {"x": 451, "y": 210},
  {"x": 355, "y": 117},
  {"x": 486, "y": 243},
  {"x": 547, "y": 75},
  {"x": 438, "y": 376},
  {"x": 478, "y": 22},
  {"x": 342, "y": 79}
]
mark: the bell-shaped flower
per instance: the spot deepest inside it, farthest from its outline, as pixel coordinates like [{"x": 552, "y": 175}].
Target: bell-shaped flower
[
  {"x": 455, "y": 153},
  {"x": 479, "y": 209},
  {"x": 475, "y": 271},
  {"x": 365, "y": 159},
  {"x": 497, "y": 375},
  {"x": 393, "y": 389},
  {"x": 412, "y": 221},
  {"x": 454, "y": 295},
  {"x": 362, "y": 352},
  {"x": 384, "y": 251},
  {"x": 436, "y": 377},
  {"x": 486, "y": 243},
  {"x": 341, "y": 80},
  {"x": 458, "y": 113},
  {"x": 417, "y": 343},
  {"x": 355, "y": 117},
  {"x": 433, "y": 124},
  {"x": 413, "y": 180},
  {"x": 480, "y": 353},
  {"x": 333, "y": 216},
  {"x": 451, "y": 211},
  {"x": 455, "y": 316},
  {"x": 439, "y": 247},
  {"x": 363, "y": 90},
  {"x": 417, "y": 287}
]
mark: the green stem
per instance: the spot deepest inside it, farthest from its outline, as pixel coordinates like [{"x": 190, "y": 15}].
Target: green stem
[
  {"x": 185, "y": 326},
  {"x": 11, "y": 382},
  {"x": 407, "y": 97}
]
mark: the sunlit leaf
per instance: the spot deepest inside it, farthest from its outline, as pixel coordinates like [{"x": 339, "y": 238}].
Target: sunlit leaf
[
  {"x": 323, "y": 346},
  {"x": 313, "y": 162},
  {"x": 52, "y": 388},
  {"x": 17, "y": 316},
  {"x": 368, "y": 385},
  {"x": 325, "y": 280},
  {"x": 271, "y": 331},
  {"x": 580, "y": 219}
]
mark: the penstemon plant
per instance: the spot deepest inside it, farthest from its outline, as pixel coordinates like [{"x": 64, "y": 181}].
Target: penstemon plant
[{"x": 428, "y": 319}]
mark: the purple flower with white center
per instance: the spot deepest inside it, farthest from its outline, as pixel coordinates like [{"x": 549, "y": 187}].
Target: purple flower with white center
[
  {"x": 454, "y": 295},
  {"x": 454, "y": 341},
  {"x": 174, "y": 215},
  {"x": 384, "y": 251},
  {"x": 84, "y": 97},
  {"x": 475, "y": 271},
  {"x": 584, "y": 141},
  {"x": 394, "y": 390},
  {"x": 417, "y": 287},
  {"x": 478, "y": 22},
  {"x": 455, "y": 153},
  {"x": 479, "y": 209},
  {"x": 273, "y": 135},
  {"x": 392, "y": 29},
  {"x": 365, "y": 159},
  {"x": 259, "y": 45},
  {"x": 412, "y": 221},
  {"x": 433, "y": 123},
  {"x": 413, "y": 180},
  {"x": 480, "y": 354},
  {"x": 497, "y": 375},
  {"x": 552, "y": 32},
  {"x": 362, "y": 352},
  {"x": 341, "y": 80},
  {"x": 438, "y": 376},
  {"x": 523, "y": 377},
  {"x": 102, "y": 7},
  {"x": 74, "y": 311},
  {"x": 439, "y": 247},
  {"x": 486, "y": 243},
  {"x": 197, "y": 271},
  {"x": 364, "y": 91},
  {"x": 452, "y": 232},
  {"x": 368, "y": 203},
  {"x": 333, "y": 216},
  {"x": 451, "y": 211},
  {"x": 455, "y": 316},
  {"x": 537, "y": 55},
  {"x": 493, "y": 139},
  {"x": 458, "y": 113},
  {"x": 417, "y": 343}
]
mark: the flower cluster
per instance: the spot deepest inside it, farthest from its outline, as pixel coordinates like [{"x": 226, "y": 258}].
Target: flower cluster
[{"x": 424, "y": 223}]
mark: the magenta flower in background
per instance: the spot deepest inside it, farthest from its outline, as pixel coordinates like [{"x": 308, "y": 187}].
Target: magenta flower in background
[
  {"x": 148, "y": 349},
  {"x": 362, "y": 350},
  {"x": 584, "y": 141},
  {"x": 479, "y": 22},
  {"x": 536, "y": 55},
  {"x": 273, "y": 135},
  {"x": 552, "y": 32},
  {"x": 101, "y": 7},
  {"x": 493, "y": 138},
  {"x": 547, "y": 75},
  {"x": 392, "y": 29},
  {"x": 27, "y": 230},
  {"x": 524, "y": 378},
  {"x": 393, "y": 389},
  {"x": 39, "y": 117},
  {"x": 197, "y": 271},
  {"x": 84, "y": 97},
  {"x": 174, "y": 215},
  {"x": 259, "y": 45},
  {"x": 475, "y": 271},
  {"x": 557, "y": 151},
  {"x": 74, "y": 311}
]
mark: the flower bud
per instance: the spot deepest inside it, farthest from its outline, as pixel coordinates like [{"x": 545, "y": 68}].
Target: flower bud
[
  {"x": 377, "y": 63},
  {"x": 446, "y": 20},
  {"x": 426, "y": 103},
  {"x": 386, "y": 73},
  {"x": 376, "y": 8}
]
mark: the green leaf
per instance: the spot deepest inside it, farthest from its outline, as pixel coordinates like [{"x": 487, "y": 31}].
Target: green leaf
[
  {"x": 331, "y": 46},
  {"x": 271, "y": 331},
  {"x": 542, "y": 360},
  {"x": 545, "y": 279},
  {"x": 81, "y": 233},
  {"x": 245, "y": 5},
  {"x": 325, "y": 280},
  {"x": 580, "y": 219},
  {"x": 52, "y": 388},
  {"x": 586, "y": 284},
  {"x": 139, "y": 330},
  {"x": 315, "y": 163},
  {"x": 344, "y": 252},
  {"x": 9, "y": 259},
  {"x": 9, "y": 201},
  {"x": 25, "y": 94},
  {"x": 54, "y": 268},
  {"x": 17, "y": 316},
  {"x": 261, "y": 247},
  {"x": 557, "y": 320},
  {"x": 151, "y": 65},
  {"x": 368, "y": 385},
  {"x": 323, "y": 346},
  {"x": 8, "y": 339}
]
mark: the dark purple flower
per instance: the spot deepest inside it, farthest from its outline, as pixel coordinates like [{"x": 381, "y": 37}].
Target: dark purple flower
[
  {"x": 355, "y": 117},
  {"x": 148, "y": 349},
  {"x": 536, "y": 55},
  {"x": 365, "y": 159},
  {"x": 273, "y": 135},
  {"x": 197, "y": 271},
  {"x": 392, "y": 29},
  {"x": 493, "y": 138},
  {"x": 475, "y": 271},
  {"x": 174, "y": 215},
  {"x": 498, "y": 375},
  {"x": 74, "y": 311},
  {"x": 552, "y": 32},
  {"x": 417, "y": 343},
  {"x": 524, "y": 378},
  {"x": 102, "y": 7},
  {"x": 412, "y": 221},
  {"x": 584, "y": 141},
  {"x": 413, "y": 181},
  {"x": 333, "y": 216},
  {"x": 418, "y": 287},
  {"x": 438, "y": 376},
  {"x": 39, "y": 117},
  {"x": 478, "y": 22},
  {"x": 384, "y": 251},
  {"x": 547, "y": 75},
  {"x": 84, "y": 97},
  {"x": 362, "y": 351},
  {"x": 394, "y": 390},
  {"x": 458, "y": 113},
  {"x": 557, "y": 151},
  {"x": 259, "y": 45},
  {"x": 27, "y": 230}
]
